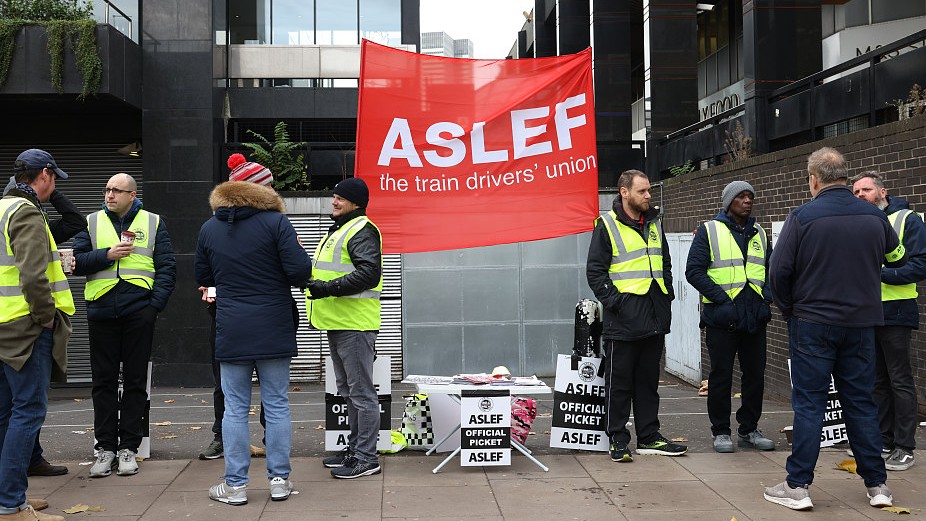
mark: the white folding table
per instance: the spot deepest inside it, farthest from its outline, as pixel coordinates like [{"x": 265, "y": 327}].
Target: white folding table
[{"x": 454, "y": 391}]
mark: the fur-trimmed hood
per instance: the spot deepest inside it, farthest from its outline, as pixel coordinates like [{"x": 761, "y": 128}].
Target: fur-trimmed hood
[{"x": 241, "y": 194}]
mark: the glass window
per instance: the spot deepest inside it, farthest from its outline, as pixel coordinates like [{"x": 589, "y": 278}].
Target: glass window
[
  {"x": 249, "y": 21},
  {"x": 381, "y": 21},
  {"x": 293, "y": 22},
  {"x": 336, "y": 22},
  {"x": 884, "y": 11},
  {"x": 856, "y": 13}
]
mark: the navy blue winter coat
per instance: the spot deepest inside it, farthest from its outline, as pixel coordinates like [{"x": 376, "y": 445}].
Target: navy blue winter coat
[
  {"x": 249, "y": 251},
  {"x": 906, "y": 312}
]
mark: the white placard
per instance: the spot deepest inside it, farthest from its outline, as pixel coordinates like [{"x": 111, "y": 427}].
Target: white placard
[
  {"x": 834, "y": 426},
  {"x": 336, "y": 423},
  {"x": 578, "y": 405},
  {"x": 485, "y": 427}
]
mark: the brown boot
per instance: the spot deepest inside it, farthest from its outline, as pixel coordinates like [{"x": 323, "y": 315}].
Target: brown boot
[
  {"x": 44, "y": 468},
  {"x": 29, "y": 515},
  {"x": 37, "y": 504}
]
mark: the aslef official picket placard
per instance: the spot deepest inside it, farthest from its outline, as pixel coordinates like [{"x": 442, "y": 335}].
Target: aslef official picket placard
[
  {"x": 336, "y": 424},
  {"x": 578, "y": 405},
  {"x": 485, "y": 427}
]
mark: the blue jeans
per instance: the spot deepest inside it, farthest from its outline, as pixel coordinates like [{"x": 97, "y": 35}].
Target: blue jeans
[
  {"x": 23, "y": 403},
  {"x": 848, "y": 353},
  {"x": 352, "y": 354},
  {"x": 274, "y": 385}
]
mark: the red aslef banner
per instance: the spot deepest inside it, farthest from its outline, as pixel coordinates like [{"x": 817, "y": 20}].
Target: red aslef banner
[{"x": 460, "y": 153}]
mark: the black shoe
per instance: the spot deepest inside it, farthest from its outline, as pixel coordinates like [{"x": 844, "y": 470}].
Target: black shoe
[
  {"x": 215, "y": 450},
  {"x": 44, "y": 468},
  {"x": 340, "y": 459},
  {"x": 662, "y": 447},
  {"x": 620, "y": 452},
  {"x": 355, "y": 469}
]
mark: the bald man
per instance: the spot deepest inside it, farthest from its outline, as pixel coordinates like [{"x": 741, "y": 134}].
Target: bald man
[{"x": 128, "y": 259}]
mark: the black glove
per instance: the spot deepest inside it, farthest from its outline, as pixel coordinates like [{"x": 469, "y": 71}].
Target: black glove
[{"x": 318, "y": 289}]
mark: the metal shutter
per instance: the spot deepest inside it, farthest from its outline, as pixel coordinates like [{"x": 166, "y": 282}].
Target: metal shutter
[
  {"x": 313, "y": 344},
  {"x": 89, "y": 167}
]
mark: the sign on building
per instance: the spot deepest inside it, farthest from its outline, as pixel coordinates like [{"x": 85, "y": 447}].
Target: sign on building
[
  {"x": 485, "y": 427},
  {"x": 578, "y": 405},
  {"x": 336, "y": 423}
]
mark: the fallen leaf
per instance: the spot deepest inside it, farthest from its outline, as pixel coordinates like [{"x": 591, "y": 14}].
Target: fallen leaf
[
  {"x": 733, "y": 518},
  {"x": 162, "y": 424},
  {"x": 319, "y": 427},
  {"x": 250, "y": 413},
  {"x": 195, "y": 428},
  {"x": 545, "y": 415},
  {"x": 257, "y": 451},
  {"x": 96, "y": 509},
  {"x": 76, "y": 509},
  {"x": 896, "y": 510},
  {"x": 203, "y": 401},
  {"x": 848, "y": 465},
  {"x": 297, "y": 389},
  {"x": 167, "y": 437},
  {"x": 170, "y": 401},
  {"x": 738, "y": 395},
  {"x": 679, "y": 439}
]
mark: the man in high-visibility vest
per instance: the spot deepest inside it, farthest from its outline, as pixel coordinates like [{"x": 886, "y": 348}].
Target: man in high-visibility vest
[
  {"x": 35, "y": 302},
  {"x": 343, "y": 299},
  {"x": 895, "y": 390},
  {"x": 726, "y": 264},
  {"x": 128, "y": 259},
  {"x": 825, "y": 277},
  {"x": 630, "y": 272}
]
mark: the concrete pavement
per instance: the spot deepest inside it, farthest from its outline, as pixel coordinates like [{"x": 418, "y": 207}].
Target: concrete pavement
[{"x": 580, "y": 485}]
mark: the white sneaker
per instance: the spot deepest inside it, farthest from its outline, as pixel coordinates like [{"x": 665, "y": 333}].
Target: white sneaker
[
  {"x": 280, "y": 489},
  {"x": 105, "y": 461},
  {"x": 127, "y": 463},
  {"x": 880, "y": 496},
  {"x": 793, "y": 498},
  {"x": 224, "y": 493}
]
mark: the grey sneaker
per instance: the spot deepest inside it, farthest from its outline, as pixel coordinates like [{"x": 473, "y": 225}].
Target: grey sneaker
[
  {"x": 899, "y": 459},
  {"x": 224, "y": 493},
  {"x": 215, "y": 450},
  {"x": 880, "y": 496},
  {"x": 105, "y": 461},
  {"x": 356, "y": 470},
  {"x": 127, "y": 463},
  {"x": 793, "y": 498},
  {"x": 723, "y": 443},
  {"x": 339, "y": 459},
  {"x": 757, "y": 440},
  {"x": 280, "y": 489}
]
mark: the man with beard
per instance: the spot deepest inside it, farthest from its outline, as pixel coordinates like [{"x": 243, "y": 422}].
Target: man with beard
[
  {"x": 343, "y": 299},
  {"x": 726, "y": 264},
  {"x": 895, "y": 391},
  {"x": 630, "y": 272}
]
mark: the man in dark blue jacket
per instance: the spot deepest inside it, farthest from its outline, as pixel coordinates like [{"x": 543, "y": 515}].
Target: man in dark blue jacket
[
  {"x": 130, "y": 277},
  {"x": 826, "y": 280},
  {"x": 727, "y": 264},
  {"x": 895, "y": 390}
]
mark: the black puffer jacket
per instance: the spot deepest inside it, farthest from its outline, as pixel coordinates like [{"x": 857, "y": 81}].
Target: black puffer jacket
[
  {"x": 627, "y": 316},
  {"x": 748, "y": 312}
]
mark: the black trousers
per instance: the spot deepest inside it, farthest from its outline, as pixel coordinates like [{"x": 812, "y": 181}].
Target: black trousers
[
  {"x": 723, "y": 346},
  {"x": 121, "y": 424},
  {"x": 631, "y": 378},
  {"x": 895, "y": 391}
]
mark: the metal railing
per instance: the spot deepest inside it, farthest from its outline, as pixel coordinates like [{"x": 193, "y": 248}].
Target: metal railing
[{"x": 117, "y": 18}]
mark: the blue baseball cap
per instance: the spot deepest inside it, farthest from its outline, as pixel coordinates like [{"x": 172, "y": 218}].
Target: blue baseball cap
[{"x": 35, "y": 159}]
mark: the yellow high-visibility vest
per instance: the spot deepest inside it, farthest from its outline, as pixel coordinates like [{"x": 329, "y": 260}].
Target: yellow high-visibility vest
[
  {"x": 358, "y": 312},
  {"x": 635, "y": 263},
  {"x": 728, "y": 269},
  {"x": 137, "y": 268},
  {"x": 898, "y": 220},
  {"x": 13, "y": 304}
]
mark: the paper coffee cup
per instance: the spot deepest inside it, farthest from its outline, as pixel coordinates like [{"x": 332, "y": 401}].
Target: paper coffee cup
[
  {"x": 128, "y": 237},
  {"x": 67, "y": 258}
]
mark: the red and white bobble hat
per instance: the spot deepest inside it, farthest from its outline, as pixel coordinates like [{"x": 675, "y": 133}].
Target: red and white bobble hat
[{"x": 242, "y": 170}]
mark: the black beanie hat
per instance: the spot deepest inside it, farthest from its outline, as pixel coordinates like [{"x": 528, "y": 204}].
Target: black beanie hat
[{"x": 354, "y": 190}]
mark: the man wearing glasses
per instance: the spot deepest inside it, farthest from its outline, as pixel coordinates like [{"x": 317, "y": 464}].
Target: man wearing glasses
[{"x": 128, "y": 259}]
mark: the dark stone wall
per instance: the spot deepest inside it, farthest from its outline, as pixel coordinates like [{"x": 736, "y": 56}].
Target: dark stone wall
[
  {"x": 897, "y": 150},
  {"x": 179, "y": 139}
]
